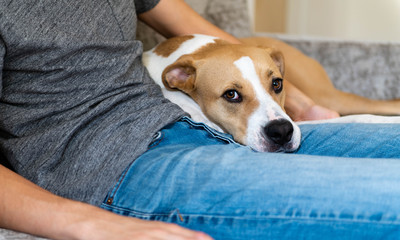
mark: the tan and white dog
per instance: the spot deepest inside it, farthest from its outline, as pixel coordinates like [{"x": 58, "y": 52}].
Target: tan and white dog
[{"x": 238, "y": 88}]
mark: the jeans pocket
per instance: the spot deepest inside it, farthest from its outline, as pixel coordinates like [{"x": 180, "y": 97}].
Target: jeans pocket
[{"x": 157, "y": 138}]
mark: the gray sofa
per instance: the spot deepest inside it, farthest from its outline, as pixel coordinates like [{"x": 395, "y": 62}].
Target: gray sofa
[{"x": 366, "y": 68}]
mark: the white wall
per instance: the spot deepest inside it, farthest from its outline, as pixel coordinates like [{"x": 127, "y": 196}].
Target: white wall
[
  {"x": 346, "y": 19},
  {"x": 250, "y": 8}
]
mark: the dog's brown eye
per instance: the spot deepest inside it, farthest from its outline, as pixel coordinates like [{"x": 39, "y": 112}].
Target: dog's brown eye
[
  {"x": 277, "y": 85},
  {"x": 232, "y": 96}
]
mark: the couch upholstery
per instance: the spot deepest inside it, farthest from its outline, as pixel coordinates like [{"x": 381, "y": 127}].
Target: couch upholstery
[{"x": 365, "y": 68}]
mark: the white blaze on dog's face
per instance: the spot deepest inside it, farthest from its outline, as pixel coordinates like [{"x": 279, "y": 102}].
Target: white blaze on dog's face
[{"x": 241, "y": 89}]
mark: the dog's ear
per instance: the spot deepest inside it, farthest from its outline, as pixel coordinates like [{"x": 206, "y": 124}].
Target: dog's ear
[
  {"x": 180, "y": 75},
  {"x": 278, "y": 58}
]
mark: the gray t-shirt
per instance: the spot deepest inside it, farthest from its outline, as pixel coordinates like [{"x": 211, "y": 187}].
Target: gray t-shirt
[{"x": 77, "y": 106}]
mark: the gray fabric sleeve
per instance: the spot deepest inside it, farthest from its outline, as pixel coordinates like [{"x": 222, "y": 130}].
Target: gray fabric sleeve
[
  {"x": 2, "y": 55},
  {"x": 145, "y": 5}
]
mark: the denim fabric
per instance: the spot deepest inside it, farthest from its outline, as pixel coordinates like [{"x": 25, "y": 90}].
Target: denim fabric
[{"x": 200, "y": 179}]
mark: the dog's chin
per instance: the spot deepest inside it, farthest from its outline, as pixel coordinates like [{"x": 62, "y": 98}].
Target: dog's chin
[
  {"x": 275, "y": 148},
  {"x": 265, "y": 145}
]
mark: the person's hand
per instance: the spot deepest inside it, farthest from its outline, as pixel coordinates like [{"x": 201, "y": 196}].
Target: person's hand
[
  {"x": 108, "y": 226},
  {"x": 300, "y": 107}
]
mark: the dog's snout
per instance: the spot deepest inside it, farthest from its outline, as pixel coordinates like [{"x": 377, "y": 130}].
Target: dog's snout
[{"x": 280, "y": 131}]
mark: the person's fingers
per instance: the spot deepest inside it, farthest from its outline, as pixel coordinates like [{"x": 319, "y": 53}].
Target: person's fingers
[{"x": 167, "y": 231}]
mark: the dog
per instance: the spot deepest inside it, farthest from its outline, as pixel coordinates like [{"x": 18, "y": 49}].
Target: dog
[{"x": 239, "y": 88}]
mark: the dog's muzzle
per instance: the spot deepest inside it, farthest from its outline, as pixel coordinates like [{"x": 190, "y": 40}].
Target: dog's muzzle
[{"x": 279, "y": 131}]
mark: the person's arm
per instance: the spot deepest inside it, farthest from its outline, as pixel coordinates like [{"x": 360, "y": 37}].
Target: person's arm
[
  {"x": 174, "y": 18},
  {"x": 25, "y": 207}
]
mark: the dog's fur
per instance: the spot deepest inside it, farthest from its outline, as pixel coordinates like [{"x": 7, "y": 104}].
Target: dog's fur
[{"x": 238, "y": 88}]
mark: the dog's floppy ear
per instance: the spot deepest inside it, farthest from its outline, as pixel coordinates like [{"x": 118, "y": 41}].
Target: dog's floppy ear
[
  {"x": 180, "y": 75},
  {"x": 278, "y": 58}
]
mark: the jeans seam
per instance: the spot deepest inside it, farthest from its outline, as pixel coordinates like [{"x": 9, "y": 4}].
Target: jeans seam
[
  {"x": 185, "y": 215},
  {"x": 214, "y": 133},
  {"x": 117, "y": 184}
]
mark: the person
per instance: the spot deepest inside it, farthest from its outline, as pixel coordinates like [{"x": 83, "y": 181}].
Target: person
[{"x": 81, "y": 118}]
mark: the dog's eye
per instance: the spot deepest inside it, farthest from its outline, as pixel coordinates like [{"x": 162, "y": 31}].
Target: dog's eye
[
  {"x": 232, "y": 96},
  {"x": 277, "y": 85}
]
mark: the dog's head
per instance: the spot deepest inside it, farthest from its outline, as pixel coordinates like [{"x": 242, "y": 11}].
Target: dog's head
[{"x": 240, "y": 88}]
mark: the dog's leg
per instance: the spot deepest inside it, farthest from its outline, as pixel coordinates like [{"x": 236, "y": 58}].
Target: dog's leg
[
  {"x": 347, "y": 103},
  {"x": 362, "y": 118}
]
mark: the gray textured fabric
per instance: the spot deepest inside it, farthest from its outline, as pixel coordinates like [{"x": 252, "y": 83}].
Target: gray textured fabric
[
  {"x": 77, "y": 104},
  {"x": 143, "y": 5},
  {"x": 11, "y": 235}
]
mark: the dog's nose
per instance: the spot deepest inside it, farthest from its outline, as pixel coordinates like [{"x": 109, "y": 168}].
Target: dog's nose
[{"x": 280, "y": 131}]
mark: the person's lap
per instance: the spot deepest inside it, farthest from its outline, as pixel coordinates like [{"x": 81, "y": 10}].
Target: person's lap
[{"x": 191, "y": 178}]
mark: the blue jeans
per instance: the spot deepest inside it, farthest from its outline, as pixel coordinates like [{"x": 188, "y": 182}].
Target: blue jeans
[{"x": 202, "y": 180}]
